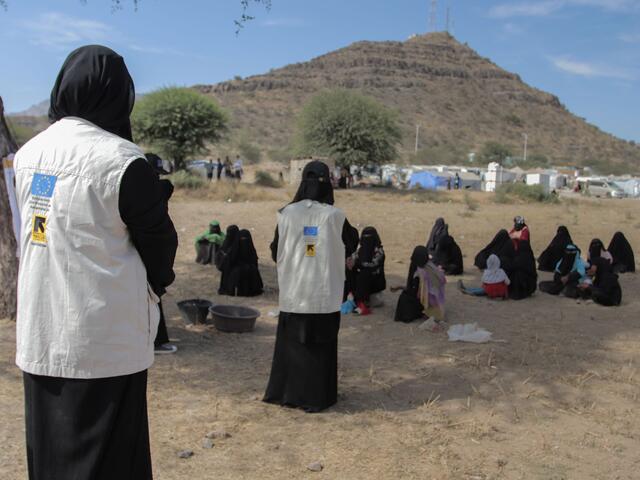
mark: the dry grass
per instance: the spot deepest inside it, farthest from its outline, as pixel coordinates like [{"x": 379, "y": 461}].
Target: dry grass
[{"x": 558, "y": 399}]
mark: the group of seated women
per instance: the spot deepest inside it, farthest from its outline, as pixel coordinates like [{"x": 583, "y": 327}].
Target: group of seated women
[
  {"x": 594, "y": 279},
  {"x": 235, "y": 257},
  {"x": 509, "y": 265},
  {"x": 507, "y": 262}
]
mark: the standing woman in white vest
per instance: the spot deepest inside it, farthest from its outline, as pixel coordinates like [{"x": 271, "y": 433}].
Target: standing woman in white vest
[
  {"x": 97, "y": 251},
  {"x": 312, "y": 241}
]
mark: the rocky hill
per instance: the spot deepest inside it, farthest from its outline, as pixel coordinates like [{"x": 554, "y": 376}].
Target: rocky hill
[{"x": 460, "y": 100}]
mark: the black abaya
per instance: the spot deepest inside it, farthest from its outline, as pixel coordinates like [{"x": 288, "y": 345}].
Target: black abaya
[
  {"x": 605, "y": 289},
  {"x": 438, "y": 232},
  {"x": 449, "y": 256},
  {"x": 368, "y": 271},
  {"x": 502, "y": 246},
  {"x": 240, "y": 274},
  {"x": 623, "y": 258},
  {"x": 304, "y": 373},
  {"x": 87, "y": 429},
  {"x": 409, "y": 307},
  {"x": 553, "y": 253},
  {"x": 523, "y": 276}
]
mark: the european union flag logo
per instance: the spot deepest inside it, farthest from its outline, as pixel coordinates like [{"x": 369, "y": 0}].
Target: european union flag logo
[
  {"x": 43, "y": 185},
  {"x": 310, "y": 231}
]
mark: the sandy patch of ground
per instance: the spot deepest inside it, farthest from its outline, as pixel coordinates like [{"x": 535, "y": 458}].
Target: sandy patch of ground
[{"x": 557, "y": 400}]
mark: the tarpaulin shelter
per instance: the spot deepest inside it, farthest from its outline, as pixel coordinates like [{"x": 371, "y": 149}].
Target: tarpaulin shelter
[{"x": 427, "y": 181}]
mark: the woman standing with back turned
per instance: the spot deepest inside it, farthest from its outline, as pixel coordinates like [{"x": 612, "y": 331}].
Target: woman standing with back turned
[
  {"x": 312, "y": 241},
  {"x": 97, "y": 250}
]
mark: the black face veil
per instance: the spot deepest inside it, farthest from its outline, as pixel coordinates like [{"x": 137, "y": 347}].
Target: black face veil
[
  {"x": 94, "y": 84},
  {"x": 315, "y": 184}
]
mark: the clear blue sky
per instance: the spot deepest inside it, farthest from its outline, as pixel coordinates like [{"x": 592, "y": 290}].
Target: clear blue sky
[{"x": 585, "y": 51}]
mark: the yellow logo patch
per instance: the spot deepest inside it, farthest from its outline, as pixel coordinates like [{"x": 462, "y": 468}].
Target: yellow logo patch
[
  {"x": 39, "y": 231},
  {"x": 310, "y": 251}
]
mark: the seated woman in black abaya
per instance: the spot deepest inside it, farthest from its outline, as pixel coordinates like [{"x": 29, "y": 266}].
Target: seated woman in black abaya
[
  {"x": 523, "y": 274},
  {"x": 622, "y": 253},
  {"x": 424, "y": 294},
  {"x": 448, "y": 256},
  {"x": 238, "y": 261},
  {"x": 553, "y": 253},
  {"x": 569, "y": 273},
  {"x": 439, "y": 231},
  {"x": 502, "y": 246},
  {"x": 368, "y": 270},
  {"x": 605, "y": 289}
]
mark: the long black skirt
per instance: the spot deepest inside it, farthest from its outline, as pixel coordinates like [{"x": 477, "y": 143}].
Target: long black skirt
[
  {"x": 304, "y": 372},
  {"x": 87, "y": 429}
]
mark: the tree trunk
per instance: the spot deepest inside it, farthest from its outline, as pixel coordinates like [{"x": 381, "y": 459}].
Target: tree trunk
[{"x": 8, "y": 260}]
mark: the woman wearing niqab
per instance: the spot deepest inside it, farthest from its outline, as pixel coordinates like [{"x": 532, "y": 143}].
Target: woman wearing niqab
[
  {"x": 523, "y": 276},
  {"x": 88, "y": 418},
  {"x": 448, "y": 256},
  {"x": 311, "y": 244},
  {"x": 439, "y": 231},
  {"x": 606, "y": 289},
  {"x": 368, "y": 268},
  {"x": 550, "y": 257},
  {"x": 237, "y": 261},
  {"x": 622, "y": 253},
  {"x": 568, "y": 274}
]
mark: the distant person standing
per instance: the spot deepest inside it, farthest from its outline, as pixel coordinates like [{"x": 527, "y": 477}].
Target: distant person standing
[
  {"x": 210, "y": 168},
  {"x": 97, "y": 247},
  {"x": 219, "y": 168},
  {"x": 228, "y": 168},
  {"x": 456, "y": 182},
  {"x": 237, "y": 168},
  {"x": 311, "y": 243}
]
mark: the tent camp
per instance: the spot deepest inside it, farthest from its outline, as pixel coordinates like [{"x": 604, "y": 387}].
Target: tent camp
[{"x": 427, "y": 181}]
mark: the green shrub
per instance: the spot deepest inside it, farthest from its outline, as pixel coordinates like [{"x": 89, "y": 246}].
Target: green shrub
[
  {"x": 179, "y": 122},
  {"x": 188, "y": 181},
  {"x": 527, "y": 193},
  {"x": 264, "y": 179}
]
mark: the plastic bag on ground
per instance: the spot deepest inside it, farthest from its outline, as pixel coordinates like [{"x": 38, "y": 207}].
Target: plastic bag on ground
[{"x": 469, "y": 332}]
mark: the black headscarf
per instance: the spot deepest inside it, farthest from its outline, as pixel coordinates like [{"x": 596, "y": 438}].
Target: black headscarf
[
  {"x": 316, "y": 184},
  {"x": 565, "y": 267},
  {"x": 553, "y": 253},
  {"x": 622, "y": 253},
  {"x": 94, "y": 84},
  {"x": 369, "y": 241},
  {"x": 518, "y": 223},
  {"x": 438, "y": 232},
  {"x": 449, "y": 256},
  {"x": 229, "y": 250},
  {"x": 419, "y": 258},
  {"x": 502, "y": 246},
  {"x": 595, "y": 249},
  {"x": 246, "y": 250}
]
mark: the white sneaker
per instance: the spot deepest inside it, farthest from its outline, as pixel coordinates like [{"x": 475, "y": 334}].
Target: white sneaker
[{"x": 165, "y": 348}]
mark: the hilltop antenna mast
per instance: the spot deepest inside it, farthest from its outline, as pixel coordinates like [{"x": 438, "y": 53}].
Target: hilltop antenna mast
[
  {"x": 434, "y": 15},
  {"x": 448, "y": 17}
]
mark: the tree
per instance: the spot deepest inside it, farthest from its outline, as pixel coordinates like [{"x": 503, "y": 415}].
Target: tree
[
  {"x": 350, "y": 128},
  {"x": 179, "y": 122},
  {"x": 8, "y": 260},
  {"x": 495, "y": 152}
]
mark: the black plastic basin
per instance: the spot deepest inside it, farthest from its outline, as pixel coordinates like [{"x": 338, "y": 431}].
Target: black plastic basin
[
  {"x": 194, "y": 311},
  {"x": 234, "y": 318}
]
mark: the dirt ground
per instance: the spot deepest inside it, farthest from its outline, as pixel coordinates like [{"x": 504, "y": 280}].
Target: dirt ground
[{"x": 557, "y": 399}]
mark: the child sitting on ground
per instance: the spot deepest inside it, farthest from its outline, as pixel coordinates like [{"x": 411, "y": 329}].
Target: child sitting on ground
[{"x": 495, "y": 282}]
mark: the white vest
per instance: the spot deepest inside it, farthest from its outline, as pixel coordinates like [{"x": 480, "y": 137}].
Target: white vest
[
  {"x": 85, "y": 309},
  {"x": 311, "y": 258}
]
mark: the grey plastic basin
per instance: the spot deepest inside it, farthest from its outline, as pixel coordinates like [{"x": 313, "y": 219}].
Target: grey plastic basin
[{"x": 234, "y": 318}]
